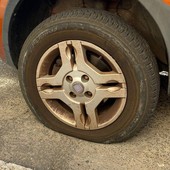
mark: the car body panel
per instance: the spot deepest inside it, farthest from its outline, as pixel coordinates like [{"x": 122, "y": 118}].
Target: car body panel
[
  {"x": 10, "y": 8},
  {"x": 3, "y": 4},
  {"x": 160, "y": 11},
  {"x": 167, "y": 2},
  {"x": 161, "y": 14}
]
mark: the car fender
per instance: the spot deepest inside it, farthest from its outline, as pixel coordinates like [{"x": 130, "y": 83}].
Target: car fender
[
  {"x": 160, "y": 11},
  {"x": 9, "y": 12}
]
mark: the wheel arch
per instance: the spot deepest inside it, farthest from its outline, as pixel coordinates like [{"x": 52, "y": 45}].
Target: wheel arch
[
  {"x": 155, "y": 8},
  {"x": 11, "y": 6},
  {"x": 13, "y": 9},
  {"x": 152, "y": 6}
]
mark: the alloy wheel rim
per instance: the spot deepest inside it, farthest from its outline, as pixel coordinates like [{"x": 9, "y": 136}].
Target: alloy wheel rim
[{"x": 81, "y": 85}]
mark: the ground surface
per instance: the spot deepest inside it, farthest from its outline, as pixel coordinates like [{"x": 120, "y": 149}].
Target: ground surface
[{"x": 25, "y": 141}]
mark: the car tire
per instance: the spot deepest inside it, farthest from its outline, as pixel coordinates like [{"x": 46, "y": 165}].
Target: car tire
[{"x": 88, "y": 74}]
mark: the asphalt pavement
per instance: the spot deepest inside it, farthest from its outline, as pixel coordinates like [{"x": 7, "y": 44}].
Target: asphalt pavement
[{"x": 27, "y": 142}]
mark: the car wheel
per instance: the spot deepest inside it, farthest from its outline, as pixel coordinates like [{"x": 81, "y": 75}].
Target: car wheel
[{"x": 88, "y": 74}]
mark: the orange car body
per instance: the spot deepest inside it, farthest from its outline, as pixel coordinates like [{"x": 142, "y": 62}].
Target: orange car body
[
  {"x": 167, "y": 2},
  {"x": 3, "y": 4}
]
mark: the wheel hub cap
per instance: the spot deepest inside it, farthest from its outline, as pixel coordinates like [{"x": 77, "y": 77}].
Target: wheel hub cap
[{"x": 78, "y": 88}]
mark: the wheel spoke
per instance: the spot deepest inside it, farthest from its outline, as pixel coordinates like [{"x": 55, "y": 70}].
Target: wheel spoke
[
  {"x": 52, "y": 94},
  {"x": 108, "y": 77},
  {"x": 67, "y": 66},
  {"x": 97, "y": 76},
  {"x": 48, "y": 79},
  {"x": 111, "y": 92},
  {"x": 102, "y": 93},
  {"x": 78, "y": 115},
  {"x": 92, "y": 116},
  {"x": 76, "y": 107}
]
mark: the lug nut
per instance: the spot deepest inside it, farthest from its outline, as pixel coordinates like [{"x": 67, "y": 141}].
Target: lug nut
[
  {"x": 85, "y": 78},
  {"x": 69, "y": 79},
  {"x": 88, "y": 94}
]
